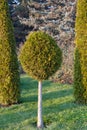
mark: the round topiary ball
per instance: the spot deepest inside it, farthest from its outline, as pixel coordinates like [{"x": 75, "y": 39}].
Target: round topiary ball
[{"x": 40, "y": 56}]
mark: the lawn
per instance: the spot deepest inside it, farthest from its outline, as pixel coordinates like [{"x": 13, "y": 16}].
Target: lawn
[{"x": 59, "y": 110}]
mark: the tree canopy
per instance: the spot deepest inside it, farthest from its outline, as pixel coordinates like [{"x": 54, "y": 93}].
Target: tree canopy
[{"x": 40, "y": 55}]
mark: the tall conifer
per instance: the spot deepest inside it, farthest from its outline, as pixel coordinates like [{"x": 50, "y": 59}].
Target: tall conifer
[
  {"x": 9, "y": 71},
  {"x": 80, "y": 66}
]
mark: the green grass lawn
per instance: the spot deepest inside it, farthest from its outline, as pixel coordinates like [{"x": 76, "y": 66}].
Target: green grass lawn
[{"x": 59, "y": 110}]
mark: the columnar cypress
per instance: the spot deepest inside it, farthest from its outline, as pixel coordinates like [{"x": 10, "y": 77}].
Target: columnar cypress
[
  {"x": 80, "y": 66},
  {"x": 9, "y": 71}
]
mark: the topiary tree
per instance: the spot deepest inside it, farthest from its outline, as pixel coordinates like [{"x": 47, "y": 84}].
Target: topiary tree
[
  {"x": 40, "y": 58},
  {"x": 9, "y": 71},
  {"x": 80, "y": 65}
]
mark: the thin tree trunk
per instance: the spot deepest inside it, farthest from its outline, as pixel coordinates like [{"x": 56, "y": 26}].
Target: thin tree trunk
[{"x": 40, "y": 120}]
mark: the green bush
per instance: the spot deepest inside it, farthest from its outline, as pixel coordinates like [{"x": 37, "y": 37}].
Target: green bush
[
  {"x": 80, "y": 66},
  {"x": 78, "y": 84},
  {"x": 40, "y": 55},
  {"x": 9, "y": 70},
  {"x": 40, "y": 58}
]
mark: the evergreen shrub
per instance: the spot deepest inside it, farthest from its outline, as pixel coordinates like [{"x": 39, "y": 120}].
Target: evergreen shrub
[
  {"x": 40, "y": 55},
  {"x": 9, "y": 70},
  {"x": 80, "y": 66}
]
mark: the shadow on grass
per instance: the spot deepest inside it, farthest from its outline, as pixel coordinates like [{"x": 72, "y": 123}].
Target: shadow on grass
[
  {"x": 55, "y": 108},
  {"x": 12, "y": 118},
  {"x": 57, "y": 94},
  {"x": 29, "y": 83},
  {"x": 50, "y": 110},
  {"x": 33, "y": 98},
  {"x": 59, "y": 101},
  {"x": 53, "y": 103},
  {"x": 48, "y": 96}
]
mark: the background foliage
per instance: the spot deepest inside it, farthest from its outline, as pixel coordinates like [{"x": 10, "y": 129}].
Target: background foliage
[{"x": 57, "y": 18}]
